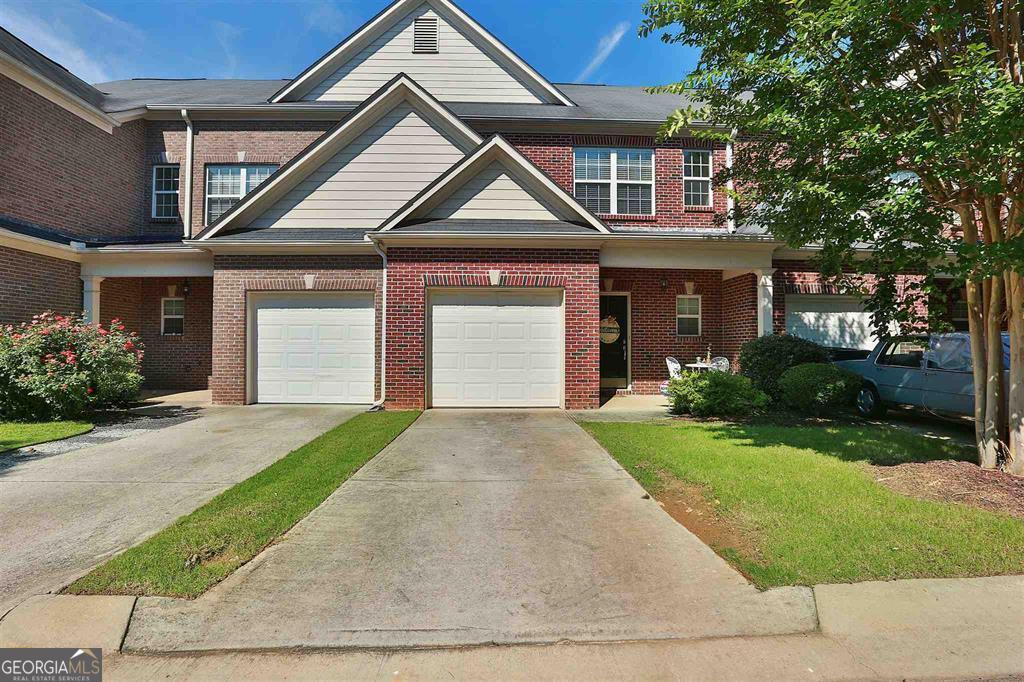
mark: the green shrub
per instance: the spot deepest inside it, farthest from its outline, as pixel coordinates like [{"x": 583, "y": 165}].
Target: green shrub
[
  {"x": 715, "y": 394},
  {"x": 765, "y": 358},
  {"x": 819, "y": 388},
  {"x": 57, "y": 367}
]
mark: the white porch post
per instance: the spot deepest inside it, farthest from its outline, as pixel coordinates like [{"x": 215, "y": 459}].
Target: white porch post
[
  {"x": 765, "y": 308},
  {"x": 91, "y": 299}
]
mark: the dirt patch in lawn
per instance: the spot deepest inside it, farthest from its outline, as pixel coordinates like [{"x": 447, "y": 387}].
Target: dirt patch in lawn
[
  {"x": 689, "y": 505},
  {"x": 961, "y": 482}
]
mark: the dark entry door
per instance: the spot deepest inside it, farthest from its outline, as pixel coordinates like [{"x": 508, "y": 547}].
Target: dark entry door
[{"x": 614, "y": 341}]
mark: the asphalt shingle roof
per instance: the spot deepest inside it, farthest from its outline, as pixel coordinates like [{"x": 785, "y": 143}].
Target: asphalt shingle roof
[{"x": 49, "y": 69}]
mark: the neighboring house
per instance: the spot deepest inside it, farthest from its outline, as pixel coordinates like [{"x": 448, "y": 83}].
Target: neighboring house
[{"x": 419, "y": 215}]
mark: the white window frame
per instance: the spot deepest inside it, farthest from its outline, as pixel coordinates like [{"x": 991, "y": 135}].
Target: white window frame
[
  {"x": 164, "y": 316},
  {"x": 243, "y": 183},
  {"x": 709, "y": 178},
  {"x": 699, "y": 316},
  {"x": 613, "y": 182},
  {"x": 155, "y": 192}
]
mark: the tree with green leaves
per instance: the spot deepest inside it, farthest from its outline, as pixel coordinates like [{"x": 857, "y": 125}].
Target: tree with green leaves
[{"x": 887, "y": 134}]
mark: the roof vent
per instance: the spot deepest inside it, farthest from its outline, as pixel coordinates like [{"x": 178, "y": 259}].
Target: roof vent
[{"x": 424, "y": 36}]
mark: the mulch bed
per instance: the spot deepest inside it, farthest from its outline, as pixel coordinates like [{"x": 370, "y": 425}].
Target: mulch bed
[{"x": 961, "y": 482}]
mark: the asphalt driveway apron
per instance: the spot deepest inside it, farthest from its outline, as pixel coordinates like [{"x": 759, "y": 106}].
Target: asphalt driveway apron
[
  {"x": 476, "y": 527},
  {"x": 61, "y": 515}
]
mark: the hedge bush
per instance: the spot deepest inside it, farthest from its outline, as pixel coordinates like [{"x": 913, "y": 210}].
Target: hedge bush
[
  {"x": 765, "y": 358},
  {"x": 819, "y": 388},
  {"x": 715, "y": 394},
  {"x": 57, "y": 367}
]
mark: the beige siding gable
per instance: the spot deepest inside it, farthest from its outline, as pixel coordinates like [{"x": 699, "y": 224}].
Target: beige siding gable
[
  {"x": 370, "y": 178},
  {"x": 461, "y": 71},
  {"x": 496, "y": 194}
]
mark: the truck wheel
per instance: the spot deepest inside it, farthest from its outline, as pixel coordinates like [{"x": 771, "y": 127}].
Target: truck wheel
[{"x": 869, "y": 403}]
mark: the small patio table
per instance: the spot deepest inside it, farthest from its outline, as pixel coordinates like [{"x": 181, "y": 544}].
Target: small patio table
[{"x": 699, "y": 366}]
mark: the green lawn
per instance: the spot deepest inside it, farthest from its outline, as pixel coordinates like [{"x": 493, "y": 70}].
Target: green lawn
[
  {"x": 18, "y": 435},
  {"x": 804, "y": 499},
  {"x": 199, "y": 550}
]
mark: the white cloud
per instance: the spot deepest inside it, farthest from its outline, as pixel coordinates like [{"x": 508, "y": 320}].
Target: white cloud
[
  {"x": 91, "y": 44},
  {"x": 324, "y": 16},
  {"x": 605, "y": 46},
  {"x": 227, "y": 36}
]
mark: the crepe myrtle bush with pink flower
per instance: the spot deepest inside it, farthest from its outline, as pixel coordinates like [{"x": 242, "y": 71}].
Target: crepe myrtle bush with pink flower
[{"x": 57, "y": 367}]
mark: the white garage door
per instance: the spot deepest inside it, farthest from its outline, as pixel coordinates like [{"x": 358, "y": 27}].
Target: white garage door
[
  {"x": 314, "y": 348},
  {"x": 832, "y": 321},
  {"x": 496, "y": 348}
]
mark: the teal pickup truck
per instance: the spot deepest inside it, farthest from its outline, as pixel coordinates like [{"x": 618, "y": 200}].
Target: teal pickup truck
[{"x": 932, "y": 372}]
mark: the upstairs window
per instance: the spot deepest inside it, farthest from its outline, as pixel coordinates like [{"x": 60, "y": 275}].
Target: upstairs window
[
  {"x": 424, "y": 35},
  {"x": 687, "y": 315},
  {"x": 165, "y": 191},
  {"x": 697, "y": 177},
  {"x": 615, "y": 181},
  {"x": 225, "y": 185}
]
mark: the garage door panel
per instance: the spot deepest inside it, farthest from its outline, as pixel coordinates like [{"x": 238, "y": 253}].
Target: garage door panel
[
  {"x": 313, "y": 349},
  {"x": 832, "y": 321},
  {"x": 496, "y": 348}
]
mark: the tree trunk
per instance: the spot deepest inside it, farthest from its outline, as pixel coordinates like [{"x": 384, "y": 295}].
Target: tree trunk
[
  {"x": 976, "y": 327},
  {"x": 993, "y": 448},
  {"x": 1015, "y": 414}
]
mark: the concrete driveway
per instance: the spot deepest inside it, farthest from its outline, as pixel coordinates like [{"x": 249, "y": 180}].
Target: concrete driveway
[
  {"x": 64, "y": 514},
  {"x": 476, "y": 527}
]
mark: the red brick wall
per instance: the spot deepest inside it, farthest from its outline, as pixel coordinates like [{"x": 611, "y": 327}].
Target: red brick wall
[
  {"x": 653, "y": 300},
  {"x": 235, "y": 276},
  {"x": 798, "y": 276},
  {"x": 739, "y": 315},
  {"x": 179, "y": 362},
  {"x": 59, "y": 171},
  {"x": 31, "y": 283},
  {"x": 553, "y": 153},
  {"x": 407, "y": 268}
]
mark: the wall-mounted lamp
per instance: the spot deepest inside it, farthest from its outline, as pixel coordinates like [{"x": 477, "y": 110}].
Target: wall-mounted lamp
[
  {"x": 664, "y": 284},
  {"x": 185, "y": 288}
]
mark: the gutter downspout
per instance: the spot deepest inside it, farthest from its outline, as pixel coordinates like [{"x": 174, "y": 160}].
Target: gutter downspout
[
  {"x": 729, "y": 202},
  {"x": 378, "y": 405},
  {"x": 186, "y": 219}
]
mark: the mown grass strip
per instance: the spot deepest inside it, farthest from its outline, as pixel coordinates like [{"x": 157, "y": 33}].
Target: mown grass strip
[
  {"x": 805, "y": 498},
  {"x": 199, "y": 550},
  {"x": 14, "y": 435}
]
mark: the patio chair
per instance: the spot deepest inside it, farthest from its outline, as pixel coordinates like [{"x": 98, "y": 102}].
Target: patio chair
[
  {"x": 720, "y": 364},
  {"x": 675, "y": 370}
]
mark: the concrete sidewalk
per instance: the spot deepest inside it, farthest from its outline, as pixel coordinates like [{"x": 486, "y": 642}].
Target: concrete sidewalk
[{"x": 62, "y": 515}]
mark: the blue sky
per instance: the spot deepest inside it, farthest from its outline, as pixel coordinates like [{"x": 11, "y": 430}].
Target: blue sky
[{"x": 589, "y": 41}]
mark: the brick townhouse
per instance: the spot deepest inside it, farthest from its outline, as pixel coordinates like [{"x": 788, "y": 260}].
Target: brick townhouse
[{"x": 418, "y": 218}]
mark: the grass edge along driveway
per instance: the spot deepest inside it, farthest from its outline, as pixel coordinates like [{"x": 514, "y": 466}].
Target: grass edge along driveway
[
  {"x": 804, "y": 501},
  {"x": 14, "y": 435},
  {"x": 199, "y": 550}
]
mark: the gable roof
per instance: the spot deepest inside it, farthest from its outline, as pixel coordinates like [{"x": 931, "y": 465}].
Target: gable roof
[
  {"x": 496, "y": 148},
  {"x": 398, "y": 89},
  {"x": 346, "y": 49}
]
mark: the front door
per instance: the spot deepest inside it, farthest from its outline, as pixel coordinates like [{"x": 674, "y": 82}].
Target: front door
[{"x": 614, "y": 341}]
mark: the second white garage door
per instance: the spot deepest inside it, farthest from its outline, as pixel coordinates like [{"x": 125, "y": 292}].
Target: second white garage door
[
  {"x": 832, "y": 321},
  {"x": 313, "y": 348},
  {"x": 496, "y": 348}
]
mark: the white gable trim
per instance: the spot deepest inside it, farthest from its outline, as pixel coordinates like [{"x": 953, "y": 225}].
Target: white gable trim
[
  {"x": 334, "y": 59},
  {"x": 496, "y": 148},
  {"x": 400, "y": 88}
]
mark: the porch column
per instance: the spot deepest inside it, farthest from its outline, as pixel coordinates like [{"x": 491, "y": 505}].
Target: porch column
[
  {"x": 91, "y": 298},
  {"x": 765, "y": 293}
]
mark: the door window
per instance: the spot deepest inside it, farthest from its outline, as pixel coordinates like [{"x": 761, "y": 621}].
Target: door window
[{"x": 902, "y": 353}]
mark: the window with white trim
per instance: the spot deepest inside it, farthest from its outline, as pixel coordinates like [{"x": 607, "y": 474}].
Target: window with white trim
[
  {"x": 697, "y": 177},
  {"x": 687, "y": 315},
  {"x": 615, "y": 181},
  {"x": 172, "y": 316},
  {"x": 165, "y": 191},
  {"x": 226, "y": 184}
]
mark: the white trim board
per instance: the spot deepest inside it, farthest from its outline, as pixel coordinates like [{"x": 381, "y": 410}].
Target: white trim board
[
  {"x": 362, "y": 37},
  {"x": 399, "y": 89},
  {"x": 495, "y": 149}
]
